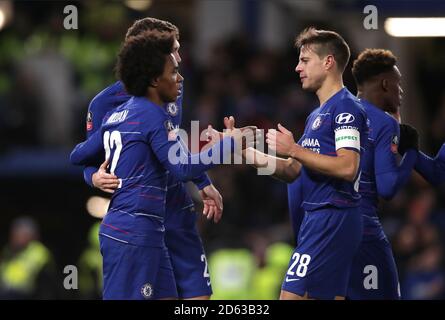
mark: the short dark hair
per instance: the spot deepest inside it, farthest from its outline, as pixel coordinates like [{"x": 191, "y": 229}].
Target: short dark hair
[
  {"x": 152, "y": 24},
  {"x": 372, "y": 62},
  {"x": 142, "y": 59},
  {"x": 326, "y": 42}
]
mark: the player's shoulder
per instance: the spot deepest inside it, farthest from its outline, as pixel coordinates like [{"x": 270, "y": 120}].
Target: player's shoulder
[
  {"x": 314, "y": 112},
  {"x": 346, "y": 100},
  {"x": 441, "y": 155},
  {"x": 114, "y": 115},
  {"x": 145, "y": 112},
  {"x": 378, "y": 117},
  {"x": 380, "y": 122},
  {"x": 102, "y": 100},
  {"x": 348, "y": 104}
]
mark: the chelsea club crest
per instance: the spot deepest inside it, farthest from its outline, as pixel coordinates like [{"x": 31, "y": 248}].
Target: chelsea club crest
[
  {"x": 147, "y": 291},
  {"x": 172, "y": 109},
  {"x": 317, "y": 123}
]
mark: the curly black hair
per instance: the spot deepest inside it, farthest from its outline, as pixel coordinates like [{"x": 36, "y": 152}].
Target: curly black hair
[
  {"x": 142, "y": 59},
  {"x": 152, "y": 24},
  {"x": 326, "y": 42},
  {"x": 372, "y": 62}
]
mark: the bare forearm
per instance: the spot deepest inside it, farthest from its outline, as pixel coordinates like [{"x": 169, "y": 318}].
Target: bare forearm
[
  {"x": 339, "y": 166},
  {"x": 286, "y": 170}
]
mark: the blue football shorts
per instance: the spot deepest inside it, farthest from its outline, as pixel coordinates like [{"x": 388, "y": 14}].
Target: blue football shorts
[{"x": 321, "y": 263}]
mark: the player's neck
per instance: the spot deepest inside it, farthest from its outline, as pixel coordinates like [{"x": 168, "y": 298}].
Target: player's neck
[
  {"x": 155, "y": 98},
  {"x": 331, "y": 86},
  {"x": 372, "y": 97}
]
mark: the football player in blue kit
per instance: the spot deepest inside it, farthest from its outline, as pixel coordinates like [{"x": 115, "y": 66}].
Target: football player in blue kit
[
  {"x": 181, "y": 236},
  {"x": 138, "y": 139},
  {"x": 327, "y": 161},
  {"x": 374, "y": 272}
]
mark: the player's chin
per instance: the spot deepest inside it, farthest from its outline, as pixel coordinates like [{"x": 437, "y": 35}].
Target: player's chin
[
  {"x": 307, "y": 87},
  {"x": 172, "y": 97}
]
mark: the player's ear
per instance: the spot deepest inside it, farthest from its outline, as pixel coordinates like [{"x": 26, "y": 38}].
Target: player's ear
[
  {"x": 154, "y": 83},
  {"x": 384, "y": 84},
  {"x": 329, "y": 61}
]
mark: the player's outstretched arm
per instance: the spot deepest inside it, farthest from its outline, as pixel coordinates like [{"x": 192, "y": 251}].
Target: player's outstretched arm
[
  {"x": 388, "y": 183},
  {"x": 344, "y": 165},
  {"x": 426, "y": 166},
  {"x": 286, "y": 170},
  {"x": 186, "y": 167},
  {"x": 202, "y": 180},
  {"x": 211, "y": 198},
  {"x": 86, "y": 152},
  {"x": 433, "y": 170},
  {"x": 389, "y": 174}
]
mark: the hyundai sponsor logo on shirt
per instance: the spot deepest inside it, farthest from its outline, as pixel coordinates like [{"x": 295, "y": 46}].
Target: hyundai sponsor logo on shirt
[{"x": 344, "y": 118}]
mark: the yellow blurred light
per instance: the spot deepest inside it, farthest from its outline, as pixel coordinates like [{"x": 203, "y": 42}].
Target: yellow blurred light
[
  {"x": 415, "y": 27},
  {"x": 97, "y": 206},
  {"x": 139, "y": 5}
]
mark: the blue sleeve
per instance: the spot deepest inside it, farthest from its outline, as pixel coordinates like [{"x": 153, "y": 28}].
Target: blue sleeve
[
  {"x": 96, "y": 112},
  {"x": 185, "y": 166},
  {"x": 348, "y": 123},
  {"x": 390, "y": 182},
  {"x": 88, "y": 151},
  {"x": 390, "y": 176},
  {"x": 440, "y": 161},
  {"x": 88, "y": 175},
  {"x": 203, "y": 179},
  {"x": 105, "y": 101},
  {"x": 433, "y": 170},
  {"x": 441, "y": 155}
]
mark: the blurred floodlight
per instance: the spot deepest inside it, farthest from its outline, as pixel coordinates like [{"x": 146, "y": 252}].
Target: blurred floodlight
[
  {"x": 5, "y": 12},
  {"x": 97, "y": 206},
  {"x": 415, "y": 27},
  {"x": 139, "y": 5},
  {"x": 2, "y": 19}
]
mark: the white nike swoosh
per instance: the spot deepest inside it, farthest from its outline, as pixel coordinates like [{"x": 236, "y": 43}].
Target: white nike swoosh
[
  {"x": 290, "y": 280},
  {"x": 208, "y": 283}
]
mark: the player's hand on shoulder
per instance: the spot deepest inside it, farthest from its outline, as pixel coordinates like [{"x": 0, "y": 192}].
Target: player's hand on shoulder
[
  {"x": 409, "y": 138},
  {"x": 104, "y": 181}
]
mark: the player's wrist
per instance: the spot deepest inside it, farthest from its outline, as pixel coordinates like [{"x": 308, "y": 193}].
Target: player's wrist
[
  {"x": 94, "y": 179},
  {"x": 295, "y": 151}
]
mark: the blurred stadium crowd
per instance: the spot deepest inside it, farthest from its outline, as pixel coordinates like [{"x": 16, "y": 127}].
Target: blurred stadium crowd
[{"x": 48, "y": 76}]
